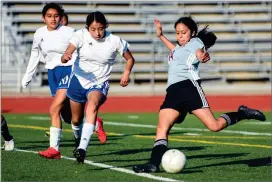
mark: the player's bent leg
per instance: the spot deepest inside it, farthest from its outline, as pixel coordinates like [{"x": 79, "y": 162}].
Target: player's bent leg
[{"x": 207, "y": 118}]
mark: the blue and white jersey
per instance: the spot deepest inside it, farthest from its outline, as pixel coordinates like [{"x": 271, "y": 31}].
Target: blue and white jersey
[
  {"x": 183, "y": 63},
  {"x": 48, "y": 47},
  {"x": 95, "y": 57}
]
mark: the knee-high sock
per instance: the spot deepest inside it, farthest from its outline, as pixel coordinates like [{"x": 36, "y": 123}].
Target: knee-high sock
[
  {"x": 77, "y": 130},
  {"x": 87, "y": 132},
  {"x": 55, "y": 135},
  {"x": 232, "y": 117},
  {"x": 160, "y": 147}
]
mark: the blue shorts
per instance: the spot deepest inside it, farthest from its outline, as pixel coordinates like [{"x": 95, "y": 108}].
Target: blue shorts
[
  {"x": 58, "y": 78},
  {"x": 77, "y": 93}
]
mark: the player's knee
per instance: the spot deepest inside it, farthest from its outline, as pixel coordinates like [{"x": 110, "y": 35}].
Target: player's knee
[
  {"x": 66, "y": 116},
  {"x": 214, "y": 128},
  {"x": 92, "y": 107},
  {"x": 54, "y": 110},
  {"x": 76, "y": 122}
]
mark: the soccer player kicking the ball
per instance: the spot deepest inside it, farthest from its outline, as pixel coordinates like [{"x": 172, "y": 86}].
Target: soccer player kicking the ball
[{"x": 184, "y": 92}]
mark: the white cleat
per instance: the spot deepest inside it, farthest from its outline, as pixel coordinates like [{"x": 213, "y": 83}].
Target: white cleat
[{"x": 9, "y": 145}]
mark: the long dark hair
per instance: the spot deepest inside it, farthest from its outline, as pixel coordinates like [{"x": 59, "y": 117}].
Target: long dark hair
[
  {"x": 207, "y": 37},
  {"x": 98, "y": 17}
]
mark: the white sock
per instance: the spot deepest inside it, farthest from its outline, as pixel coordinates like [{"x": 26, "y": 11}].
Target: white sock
[
  {"x": 77, "y": 130},
  {"x": 96, "y": 125},
  {"x": 87, "y": 132},
  {"x": 55, "y": 135}
]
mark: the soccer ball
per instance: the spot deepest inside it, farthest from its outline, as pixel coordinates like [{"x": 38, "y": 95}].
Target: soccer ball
[{"x": 173, "y": 161}]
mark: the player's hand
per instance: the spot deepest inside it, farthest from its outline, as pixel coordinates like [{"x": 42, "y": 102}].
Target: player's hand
[
  {"x": 158, "y": 27},
  {"x": 125, "y": 79},
  {"x": 66, "y": 57},
  {"x": 202, "y": 56},
  {"x": 25, "y": 83}
]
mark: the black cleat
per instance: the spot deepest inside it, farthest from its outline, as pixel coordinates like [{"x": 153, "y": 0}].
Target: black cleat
[
  {"x": 80, "y": 155},
  {"x": 248, "y": 113},
  {"x": 145, "y": 168}
]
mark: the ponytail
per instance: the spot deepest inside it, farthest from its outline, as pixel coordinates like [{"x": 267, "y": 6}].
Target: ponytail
[{"x": 208, "y": 38}]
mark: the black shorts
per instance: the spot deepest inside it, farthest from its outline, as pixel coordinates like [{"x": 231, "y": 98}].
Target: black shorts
[{"x": 185, "y": 96}]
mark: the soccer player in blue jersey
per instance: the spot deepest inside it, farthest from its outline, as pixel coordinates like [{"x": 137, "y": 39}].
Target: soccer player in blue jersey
[{"x": 184, "y": 92}]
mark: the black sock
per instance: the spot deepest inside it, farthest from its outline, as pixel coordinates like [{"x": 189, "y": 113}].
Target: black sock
[
  {"x": 66, "y": 112},
  {"x": 232, "y": 117},
  {"x": 160, "y": 147},
  {"x": 4, "y": 130}
]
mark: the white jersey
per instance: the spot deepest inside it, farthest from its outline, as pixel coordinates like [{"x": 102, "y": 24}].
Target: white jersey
[
  {"x": 95, "y": 58},
  {"x": 48, "y": 47}
]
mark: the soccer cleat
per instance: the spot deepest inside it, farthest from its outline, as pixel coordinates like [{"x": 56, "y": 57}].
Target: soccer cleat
[
  {"x": 9, "y": 145},
  {"x": 248, "y": 113},
  {"x": 102, "y": 136},
  {"x": 80, "y": 155},
  {"x": 50, "y": 153},
  {"x": 145, "y": 168}
]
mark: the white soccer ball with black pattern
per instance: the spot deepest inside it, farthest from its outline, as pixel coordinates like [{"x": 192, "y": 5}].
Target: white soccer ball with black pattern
[{"x": 173, "y": 161}]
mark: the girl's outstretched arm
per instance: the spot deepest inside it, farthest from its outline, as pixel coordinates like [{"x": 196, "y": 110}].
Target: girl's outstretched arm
[{"x": 164, "y": 40}]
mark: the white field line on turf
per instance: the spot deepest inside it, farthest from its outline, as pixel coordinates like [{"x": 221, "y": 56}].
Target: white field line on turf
[
  {"x": 258, "y": 123},
  {"x": 105, "y": 166},
  {"x": 174, "y": 128},
  {"x": 186, "y": 129}
]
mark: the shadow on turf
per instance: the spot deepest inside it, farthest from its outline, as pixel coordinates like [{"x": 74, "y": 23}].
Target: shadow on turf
[
  {"x": 266, "y": 161},
  {"x": 64, "y": 143},
  {"x": 135, "y": 151}
]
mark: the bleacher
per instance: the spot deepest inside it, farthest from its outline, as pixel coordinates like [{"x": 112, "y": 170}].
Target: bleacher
[{"x": 242, "y": 52}]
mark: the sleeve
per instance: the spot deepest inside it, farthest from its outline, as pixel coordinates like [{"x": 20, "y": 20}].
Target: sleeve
[
  {"x": 122, "y": 46},
  {"x": 76, "y": 39},
  {"x": 194, "y": 44},
  {"x": 33, "y": 60}
]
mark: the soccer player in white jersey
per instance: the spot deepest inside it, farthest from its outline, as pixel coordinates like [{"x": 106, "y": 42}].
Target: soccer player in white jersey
[
  {"x": 184, "y": 92},
  {"x": 65, "y": 20},
  {"x": 49, "y": 44},
  {"x": 97, "y": 50}
]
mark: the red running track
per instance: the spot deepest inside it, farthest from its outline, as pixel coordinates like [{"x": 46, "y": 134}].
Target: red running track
[{"x": 136, "y": 104}]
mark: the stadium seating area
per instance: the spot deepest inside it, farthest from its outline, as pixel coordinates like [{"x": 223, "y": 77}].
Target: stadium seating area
[{"x": 242, "y": 52}]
